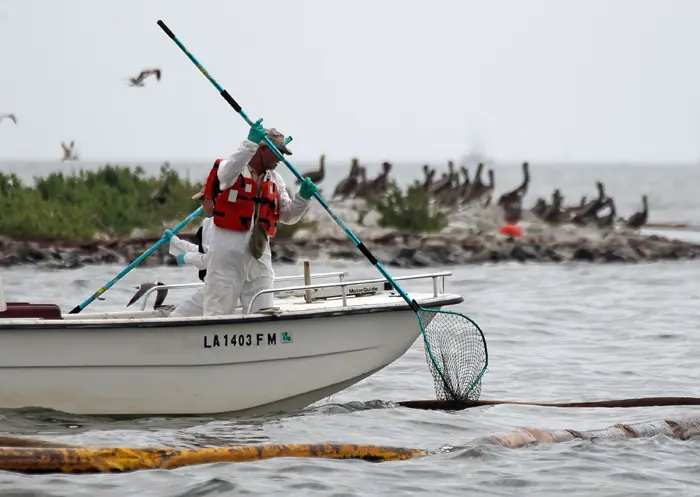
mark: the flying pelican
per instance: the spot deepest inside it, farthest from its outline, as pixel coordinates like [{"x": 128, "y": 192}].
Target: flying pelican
[
  {"x": 144, "y": 287},
  {"x": 138, "y": 80},
  {"x": 11, "y": 117},
  {"x": 68, "y": 151}
]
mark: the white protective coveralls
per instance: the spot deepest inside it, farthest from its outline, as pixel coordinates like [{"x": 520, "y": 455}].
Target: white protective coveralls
[
  {"x": 193, "y": 306},
  {"x": 232, "y": 271}
]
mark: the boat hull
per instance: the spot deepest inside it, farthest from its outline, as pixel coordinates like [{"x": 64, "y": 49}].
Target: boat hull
[{"x": 199, "y": 367}]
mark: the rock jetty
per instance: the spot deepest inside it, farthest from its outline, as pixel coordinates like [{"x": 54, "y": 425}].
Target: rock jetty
[{"x": 471, "y": 237}]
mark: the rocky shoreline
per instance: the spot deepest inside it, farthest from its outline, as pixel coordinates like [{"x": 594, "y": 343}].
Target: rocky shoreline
[{"x": 470, "y": 238}]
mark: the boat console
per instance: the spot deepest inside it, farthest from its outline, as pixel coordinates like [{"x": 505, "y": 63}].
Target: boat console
[{"x": 16, "y": 310}]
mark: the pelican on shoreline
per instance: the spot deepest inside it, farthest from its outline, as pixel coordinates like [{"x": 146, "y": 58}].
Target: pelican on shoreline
[
  {"x": 317, "y": 175},
  {"x": 348, "y": 186},
  {"x": 515, "y": 197},
  {"x": 639, "y": 219}
]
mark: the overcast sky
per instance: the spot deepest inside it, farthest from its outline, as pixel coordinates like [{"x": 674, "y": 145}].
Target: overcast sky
[{"x": 602, "y": 80}]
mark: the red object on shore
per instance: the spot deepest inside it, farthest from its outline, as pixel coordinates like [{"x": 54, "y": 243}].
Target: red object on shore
[{"x": 512, "y": 230}]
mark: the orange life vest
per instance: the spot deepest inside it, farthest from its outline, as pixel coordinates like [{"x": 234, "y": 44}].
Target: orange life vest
[
  {"x": 211, "y": 187},
  {"x": 234, "y": 207}
]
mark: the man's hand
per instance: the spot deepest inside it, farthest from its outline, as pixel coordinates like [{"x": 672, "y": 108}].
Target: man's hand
[
  {"x": 208, "y": 206},
  {"x": 308, "y": 188},
  {"x": 257, "y": 132}
]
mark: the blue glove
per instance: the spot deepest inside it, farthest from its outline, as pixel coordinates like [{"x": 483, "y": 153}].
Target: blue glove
[
  {"x": 308, "y": 188},
  {"x": 167, "y": 234},
  {"x": 257, "y": 132},
  {"x": 180, "y": 259}
]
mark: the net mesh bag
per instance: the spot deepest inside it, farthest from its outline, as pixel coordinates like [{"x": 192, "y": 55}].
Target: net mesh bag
[{"x": 455, "y": 349}]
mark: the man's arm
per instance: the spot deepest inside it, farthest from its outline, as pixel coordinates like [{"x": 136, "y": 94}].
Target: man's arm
[
  {"x": 231, "y": 168},
  {"x": 197, "y": 259},
  {"x": 291, "y": 210}
]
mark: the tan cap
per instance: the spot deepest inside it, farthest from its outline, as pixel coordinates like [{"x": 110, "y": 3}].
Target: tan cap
[{"x": 278, "y": 139}]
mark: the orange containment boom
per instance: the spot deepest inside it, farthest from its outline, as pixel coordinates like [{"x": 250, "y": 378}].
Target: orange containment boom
[{"x": 38, "y": 459}]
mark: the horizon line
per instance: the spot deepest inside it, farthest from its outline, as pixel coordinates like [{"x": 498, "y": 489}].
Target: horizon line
[{"x": 486, "y": 160}]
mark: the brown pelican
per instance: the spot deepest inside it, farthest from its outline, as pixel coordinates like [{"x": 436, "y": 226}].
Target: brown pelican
[
  {"x": 429, "y": 175},
  {"x": 349, "y": 185},
  {"x": 553, "y": 213},
  {"x": 144, "y": 287},
  {"x": 318, "y": 175},
  {"x": 451, "y": 196},
  {"x": 477, "y": 186},
  {"x": 516, "y": 196},
  {"x": 464, "y": 187},
  {"x": 11, "y": 117},
  {"x": 68, "y": 153},
  {"x": 138, "y": 80},
  {"x": 608, "y": 221},
  {"x": 639, "y": 219},
  {"x": 512, "y": 213},
  {"x": 379, "y": 184},
  {"x": 364, "y": 189},
  {"x": 539, "y": 208},
  {"x": 445, "y": 182},
  {"x": 589, "y": 212}
]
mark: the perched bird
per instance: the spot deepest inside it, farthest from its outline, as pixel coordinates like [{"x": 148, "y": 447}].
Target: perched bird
[
  {"x": 144, "y": 287},
  {"x": 138, "y": 80},
  {"x": 639, "y": 219},
  {"x": 11, "y": 117},
  {"x": 318, "y": 175}
]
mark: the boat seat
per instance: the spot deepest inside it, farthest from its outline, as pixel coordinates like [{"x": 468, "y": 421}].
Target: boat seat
[{"x": 17, "y": 310}]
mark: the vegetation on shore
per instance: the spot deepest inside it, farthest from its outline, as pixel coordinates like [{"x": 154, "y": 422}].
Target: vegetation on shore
[
  {"x": 411, "y": 211},
  {"x": 116, "y": 200},
  {"x": 112, "y": 200}
]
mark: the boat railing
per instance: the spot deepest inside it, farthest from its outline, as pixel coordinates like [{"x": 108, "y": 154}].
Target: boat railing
[
  {"x": 438, "y": 286},
  {"x": 177, "y": 286}
]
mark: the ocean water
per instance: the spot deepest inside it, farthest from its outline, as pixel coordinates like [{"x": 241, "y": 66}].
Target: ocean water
[{"x": 555, "y": 332}]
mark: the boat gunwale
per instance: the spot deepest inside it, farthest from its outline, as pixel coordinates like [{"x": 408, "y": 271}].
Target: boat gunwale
[{"x": 17, "y": 324}]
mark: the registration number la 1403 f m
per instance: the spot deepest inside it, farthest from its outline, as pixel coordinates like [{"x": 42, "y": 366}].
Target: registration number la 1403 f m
[{"x": 246, "y": 339}]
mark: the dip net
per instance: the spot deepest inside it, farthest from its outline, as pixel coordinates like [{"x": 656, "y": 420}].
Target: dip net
[{"x": 455, "y": 349}]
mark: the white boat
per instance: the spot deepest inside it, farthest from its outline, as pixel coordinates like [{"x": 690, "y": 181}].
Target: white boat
[{"x": 141, "y": 363}]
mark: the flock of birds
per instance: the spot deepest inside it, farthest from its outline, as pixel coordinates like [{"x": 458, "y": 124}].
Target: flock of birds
[
  {"x": 69, "y": 152},
  {"x": 450, "y": 191},
  {"x": 456, "y": 189}
]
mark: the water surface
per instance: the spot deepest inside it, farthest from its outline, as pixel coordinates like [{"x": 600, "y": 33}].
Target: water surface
[{"x": 556, "y": 332}]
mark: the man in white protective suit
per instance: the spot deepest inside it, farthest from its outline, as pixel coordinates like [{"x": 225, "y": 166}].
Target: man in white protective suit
[
  {"x": 187, "y": 253},
  {"x": 247, "y": 198}
]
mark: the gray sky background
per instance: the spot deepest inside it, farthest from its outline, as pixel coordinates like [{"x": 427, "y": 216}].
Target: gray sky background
[{"x": 604, "y": 80}]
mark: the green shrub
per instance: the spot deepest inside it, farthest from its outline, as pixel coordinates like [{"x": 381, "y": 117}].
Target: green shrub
[
  {"x": 410, "y": 212},
  {"x": 113, "y": 200}
]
